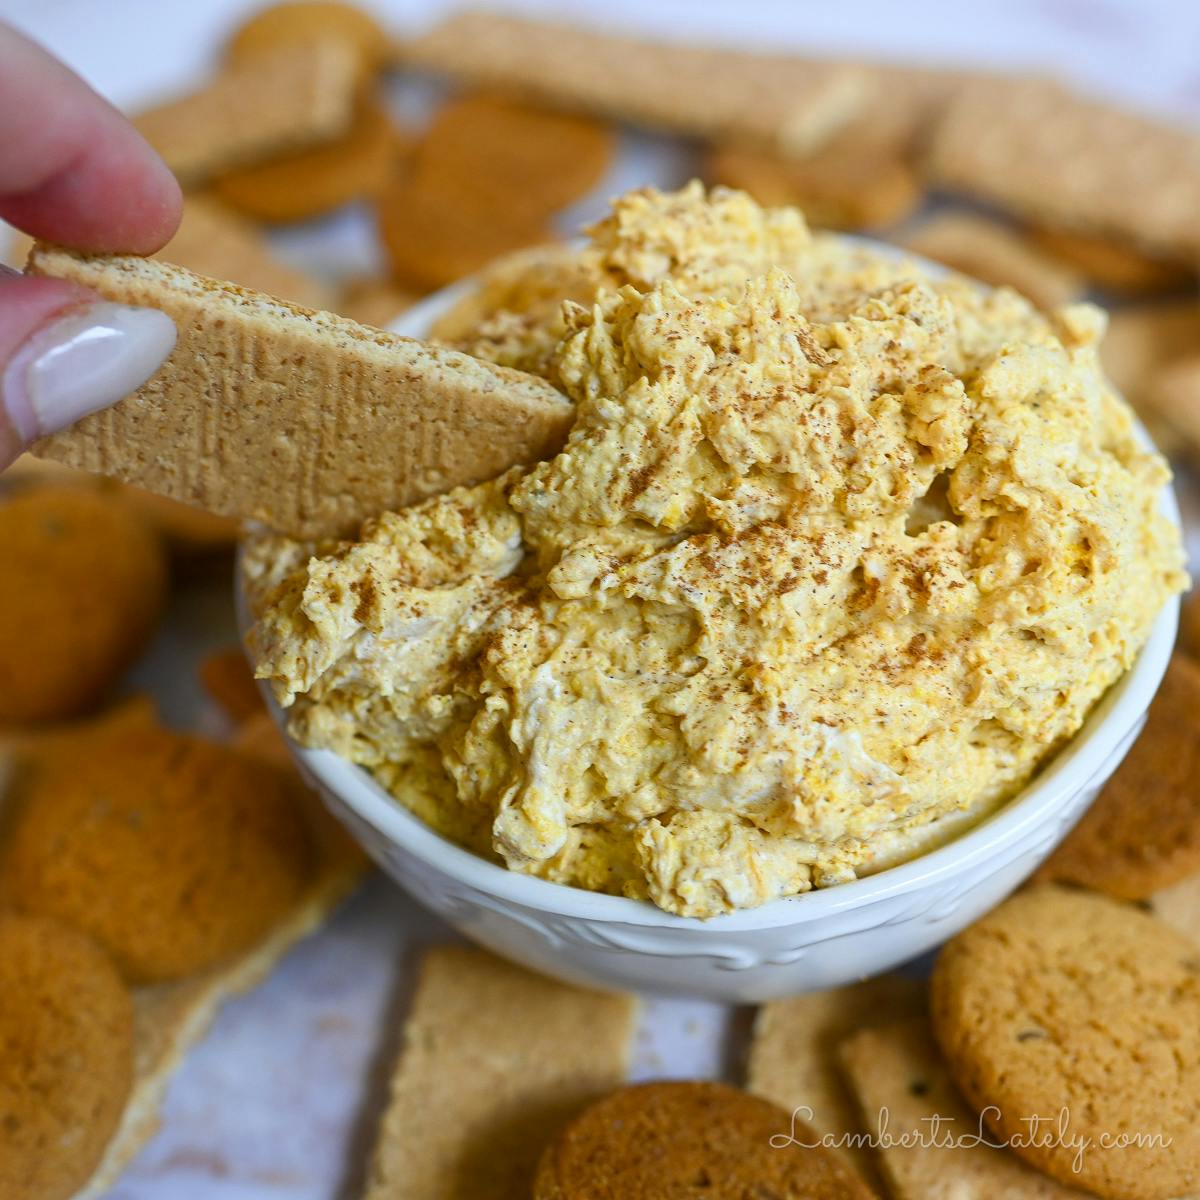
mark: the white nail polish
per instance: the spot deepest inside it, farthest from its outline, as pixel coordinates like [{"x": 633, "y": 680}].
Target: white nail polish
[{"x": 82, "y": 362}]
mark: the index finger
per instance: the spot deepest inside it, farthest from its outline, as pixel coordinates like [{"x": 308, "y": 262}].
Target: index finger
[{"x": 72, "y": 169}]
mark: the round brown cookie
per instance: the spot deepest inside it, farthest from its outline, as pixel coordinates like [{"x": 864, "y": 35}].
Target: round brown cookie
[
  {"x": 309, "y": 183},
  {"x": 1142, "y": 834},
  {"x": 513, "y": 160},
  {"x": 306, "y": 21},
  {"x": 173, "y": 852},
  {"x": 66, "y": 1057},
  {"x": 85, "y": 581},
  {"x": 434, "y": 235},
  {"x": 676, "y": 1141},
  {"x": 1084, "y": 1012},
  {"x": 845, "y": 185}
]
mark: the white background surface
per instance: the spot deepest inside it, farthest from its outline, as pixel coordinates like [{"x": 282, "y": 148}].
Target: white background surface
[{"x": 279, "y": 1102}]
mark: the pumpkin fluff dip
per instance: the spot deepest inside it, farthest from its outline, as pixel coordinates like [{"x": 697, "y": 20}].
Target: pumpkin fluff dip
[{"x": 836, "y": 555}]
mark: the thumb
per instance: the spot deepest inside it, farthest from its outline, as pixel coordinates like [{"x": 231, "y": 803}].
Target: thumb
[{"x": 66, "y": 352}]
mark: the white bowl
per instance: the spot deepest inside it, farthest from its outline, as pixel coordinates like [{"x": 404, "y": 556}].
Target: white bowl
[{"x": 818, "y": 940}]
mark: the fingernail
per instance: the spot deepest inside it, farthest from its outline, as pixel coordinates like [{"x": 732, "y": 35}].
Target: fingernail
[{"x": 83, "y": 361}]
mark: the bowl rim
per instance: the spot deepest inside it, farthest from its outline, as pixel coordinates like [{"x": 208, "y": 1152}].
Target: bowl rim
[{"x": 1109, "y": 722}]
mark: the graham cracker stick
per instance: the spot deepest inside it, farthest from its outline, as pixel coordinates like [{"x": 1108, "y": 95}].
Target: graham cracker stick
[
  {"x": 793, "y": 1058},
  {"x": 779, "y": 100},
  {"x": 997, "y": 254},
  {"x": 495, "y": 1060},
  {"x": 303, "y": 420},
  {"x": 897, "y": 1070},
  {"x": 1058, "y": 158},
  {"x": 286, "y": 99}
]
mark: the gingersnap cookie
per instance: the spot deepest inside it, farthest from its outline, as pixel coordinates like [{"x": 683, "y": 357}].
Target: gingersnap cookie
[
  {"x": 1072, "y": 1020},
  {"x": 66, "y": 1057},
  {"x": 513, "y": 158},
  {"x": 1189, "y": 626},
  {"x": 174, "y": 853},
  {"x": 187, "y": 530},
  {"x": 227, "y": 678},
  {"x": 85, "y": 581},
  {"x": 679, "y": 1139},
  {"x": 310, "y": 21},
  {"x": 853, "y": 182},
  {"x": 1142, "y": 834},
  {"x": 314, "y": 181},
  {"x": 434, "y": 237}
]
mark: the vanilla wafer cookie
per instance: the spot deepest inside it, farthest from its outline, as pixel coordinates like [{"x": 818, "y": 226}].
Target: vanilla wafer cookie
[
  {"x": 495, "y": 1061},
  {"x": 1047, "y": 153},
  {"x": 286, "y": 99},
  {"x": 302, "y": 420},
  {"x": 779, "y": 100}
]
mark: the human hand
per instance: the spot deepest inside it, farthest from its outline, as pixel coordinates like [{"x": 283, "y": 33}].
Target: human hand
[{"x": 75, "y": 172}]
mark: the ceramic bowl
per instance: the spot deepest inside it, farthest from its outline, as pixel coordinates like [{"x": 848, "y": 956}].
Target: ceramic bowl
[{"x": 818, "y": 940}]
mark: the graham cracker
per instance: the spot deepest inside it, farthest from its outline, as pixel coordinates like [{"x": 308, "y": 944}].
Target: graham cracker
[
  {"x": 989, "y": 250},
  {"x": 778, "y": 100},
  {"x": 302, "y": 420},
  {"x": 896, "y": 1069},
  {"x": 1111, "y": 264},
  {"x": 495, "y": 1061},
  {"x": 285, "y": 99},
  {"x": 1058, "y": 158},
  {"x": 793, "y": 1057},
  {"x": 213, "y": 241}
]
